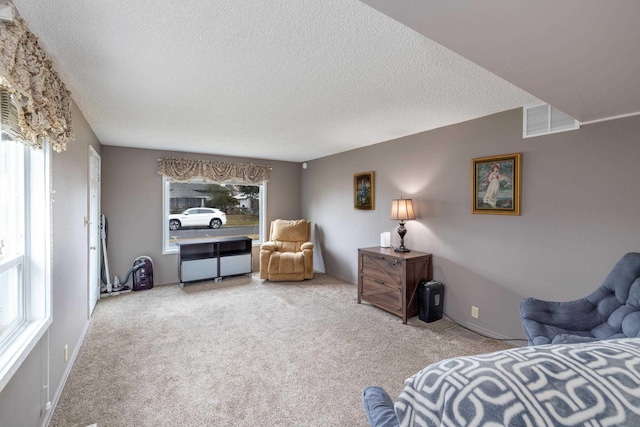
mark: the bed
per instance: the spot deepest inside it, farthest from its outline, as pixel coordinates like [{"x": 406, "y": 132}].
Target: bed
[{"x": 586, "y": 384}]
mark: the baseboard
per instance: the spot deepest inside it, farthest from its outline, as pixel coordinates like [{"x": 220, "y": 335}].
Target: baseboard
[
  {"x": 56, "y": 397},
  {"x": 488, "y": 333}
]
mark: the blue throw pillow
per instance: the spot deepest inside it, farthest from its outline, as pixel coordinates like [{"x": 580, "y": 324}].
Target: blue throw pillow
[{"x": 379, "y": 407}]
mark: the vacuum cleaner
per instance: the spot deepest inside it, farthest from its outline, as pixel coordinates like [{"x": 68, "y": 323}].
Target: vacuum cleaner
[{"x": 142, "y": 269}]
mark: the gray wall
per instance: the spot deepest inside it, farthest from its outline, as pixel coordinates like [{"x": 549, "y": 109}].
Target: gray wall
[
  {"x": 132, "y": 203},
  {"x": 23, "y": 400},
  {"x": 579, "y": 216},
  {"x": 579, "y": 212}
]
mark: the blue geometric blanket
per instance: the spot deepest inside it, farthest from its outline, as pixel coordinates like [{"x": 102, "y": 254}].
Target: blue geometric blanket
[{"x": 590, "y": 384}]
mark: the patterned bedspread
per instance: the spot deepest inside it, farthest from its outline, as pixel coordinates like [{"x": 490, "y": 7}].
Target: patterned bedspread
[{"x": 591, "y": 384}]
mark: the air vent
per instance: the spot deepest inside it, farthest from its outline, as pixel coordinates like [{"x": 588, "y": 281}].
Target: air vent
[
  {"x": 543, "y": 119},
  {"x": 9, "y": 116}
]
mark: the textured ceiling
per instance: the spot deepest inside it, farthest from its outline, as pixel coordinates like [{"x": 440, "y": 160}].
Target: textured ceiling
[{"x": 280, "y": 79}]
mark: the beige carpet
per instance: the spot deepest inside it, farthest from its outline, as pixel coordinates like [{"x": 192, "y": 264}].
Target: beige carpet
[{"x": 246, "y": 353}]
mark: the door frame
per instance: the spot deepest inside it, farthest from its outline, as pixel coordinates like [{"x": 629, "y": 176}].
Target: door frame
[{"x": 93, "y": 220}]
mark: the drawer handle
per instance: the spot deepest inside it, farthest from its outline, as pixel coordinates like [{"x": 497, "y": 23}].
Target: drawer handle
[
  {"x": 379, "y": 282},
  {"x": 395, "y": 261}
]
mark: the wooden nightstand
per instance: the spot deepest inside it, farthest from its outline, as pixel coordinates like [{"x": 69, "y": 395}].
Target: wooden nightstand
[{"x": 389, "y": 280}]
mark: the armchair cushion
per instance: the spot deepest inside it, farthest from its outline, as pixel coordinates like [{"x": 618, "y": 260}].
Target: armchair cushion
[
  {"x": 268, "y": 246},
  {"x": 290, "y": 231},
  {"x": 286, "y": 262},
  {"x": 611, "y": 311}
]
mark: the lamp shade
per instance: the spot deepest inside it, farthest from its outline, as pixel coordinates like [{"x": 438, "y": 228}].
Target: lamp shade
[{"x": 402, "y": 209}]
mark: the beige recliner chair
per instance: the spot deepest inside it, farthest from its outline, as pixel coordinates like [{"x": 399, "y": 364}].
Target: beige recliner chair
[{"x": 288, "y": 256}]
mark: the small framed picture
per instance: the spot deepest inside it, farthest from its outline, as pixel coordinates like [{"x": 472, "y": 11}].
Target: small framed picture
[
  {"x": 363, "y": 191},
  {"x": 496, "y": 184}
]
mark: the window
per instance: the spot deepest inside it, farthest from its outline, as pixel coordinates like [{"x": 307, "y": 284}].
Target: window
[
  {"x": 12, "y": 233},
  {"x": 25, "y": 310},
  {"x": 202, "y": 209}
]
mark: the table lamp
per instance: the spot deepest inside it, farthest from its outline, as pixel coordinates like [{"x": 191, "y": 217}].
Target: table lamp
[{"x": 402, "y": 210}]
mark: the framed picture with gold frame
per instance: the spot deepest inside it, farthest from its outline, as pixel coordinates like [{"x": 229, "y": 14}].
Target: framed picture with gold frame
[
  {"x": 496, "y": 184},
  {"x": 364, "y": 190}
]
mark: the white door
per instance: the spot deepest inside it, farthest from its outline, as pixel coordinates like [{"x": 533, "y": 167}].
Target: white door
[{"x": 94, "y": 228}]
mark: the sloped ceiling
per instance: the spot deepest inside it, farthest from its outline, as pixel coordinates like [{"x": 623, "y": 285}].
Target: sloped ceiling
[
  {"x": 581, "y": 56},
  {"x": 280, "y": 79}
]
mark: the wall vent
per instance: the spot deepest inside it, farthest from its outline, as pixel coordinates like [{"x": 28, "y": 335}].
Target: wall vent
[{"x": 543, "y": 119}]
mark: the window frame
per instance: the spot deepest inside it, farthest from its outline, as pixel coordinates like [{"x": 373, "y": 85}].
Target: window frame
[
  {"x": 36, "y": 264},
  {"x": 166, "y": 203}
]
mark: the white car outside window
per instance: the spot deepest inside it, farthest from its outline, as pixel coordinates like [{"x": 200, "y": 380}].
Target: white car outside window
[{"x": 198, "y": 217}]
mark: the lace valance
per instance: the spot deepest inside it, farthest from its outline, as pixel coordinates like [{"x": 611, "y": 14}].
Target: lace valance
[
  {"x": 183, "y": 170},
  {"x": 44, "y": 103}
]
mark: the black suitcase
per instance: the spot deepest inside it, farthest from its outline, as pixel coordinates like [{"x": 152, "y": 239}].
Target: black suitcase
[{"x": 431, "y": 300}]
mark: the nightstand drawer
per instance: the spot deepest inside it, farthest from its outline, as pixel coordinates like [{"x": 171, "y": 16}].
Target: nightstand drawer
[
  {"x": 382, "y": 268},
  {"x": 382, "y": 293}
]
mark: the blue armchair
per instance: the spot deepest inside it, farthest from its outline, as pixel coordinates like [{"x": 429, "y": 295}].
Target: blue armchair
[{"x": 611, "y": 311}]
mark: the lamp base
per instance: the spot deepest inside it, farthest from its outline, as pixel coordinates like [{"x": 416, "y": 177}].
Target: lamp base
[{"x": 402, "y": 231}]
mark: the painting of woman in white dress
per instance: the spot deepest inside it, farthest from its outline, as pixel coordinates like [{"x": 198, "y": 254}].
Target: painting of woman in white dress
[
  {"x": 496, "y": 184},
  {"x": 493, "y": 180}
]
